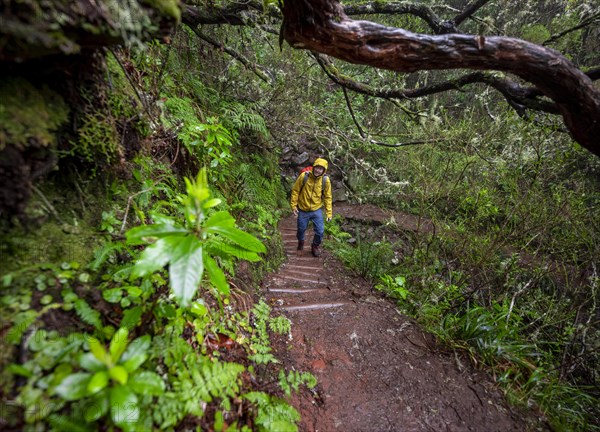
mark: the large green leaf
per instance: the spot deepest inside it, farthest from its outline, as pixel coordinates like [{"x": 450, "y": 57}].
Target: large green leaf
[
  {"x": 124, "y": 409},
  {"x": 221, "y": 249},
  {"x": 131, "y": 317},
  {"x": 98, "y": 382},
  {"x": 216, "y": 275},
  {"x": 136, "y": 353},
  {"x": 156, "y": 256},
  {"x": 90, "y": 362},
  {"x": 74, "y": 386},
  {"x": 138, "y": 234},
  {"x": 97, "y": 348},
  {"x": 243, "y": 239},
  {"x": 119, "y": 374},
  {"x": 222, "y": 218},
  {"x": 147, "y": 383},
  {"x": 96, "y": 406},
  {"x": 185, "y": 270},
  {"x": 67, "y": 424}
]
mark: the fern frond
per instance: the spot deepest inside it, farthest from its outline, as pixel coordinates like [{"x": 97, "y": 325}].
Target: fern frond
[
  {"x": 87, "y": 314},
  {"x": 244, "y": 119}
]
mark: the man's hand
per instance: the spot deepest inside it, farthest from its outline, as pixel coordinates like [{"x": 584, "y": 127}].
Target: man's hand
[
  {"x": 328, "y": 219},
  {"x": 295, "y": 212}
]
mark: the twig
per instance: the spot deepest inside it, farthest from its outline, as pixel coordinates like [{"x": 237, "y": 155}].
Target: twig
[
  {"x": 142, "y": 101},
  {"x": 127, "y": 208},
  {"x": 47, "y": 203}
]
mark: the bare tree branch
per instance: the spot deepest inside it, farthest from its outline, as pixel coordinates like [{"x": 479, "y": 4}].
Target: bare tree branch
[
  {"x": 422, "y": 11},
  {"x": 256, "y": 69},
  {"x": 469, "y": 10},
  {"x": 322, "y": 26},
  {"x": 525, "y": 97},
  {"x": 380, "y": 143},
  {"x": 586, "y": 22}
]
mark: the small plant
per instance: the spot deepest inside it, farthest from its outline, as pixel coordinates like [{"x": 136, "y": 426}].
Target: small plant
[
  {"x": 394, "y": 286},
  {"x": 369, "y": 259},
  {"x": 294, "y": 379},
  {"x": 260, "y": 339},
  {"x": 86, "y": 381},
  {"x": 188, "y": 248},
  {"x": 109, "y": 222}
]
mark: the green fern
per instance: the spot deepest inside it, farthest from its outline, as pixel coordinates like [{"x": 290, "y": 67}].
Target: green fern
[
  {"x": 273, "y": 414},
  {"x": 243, "y": 119},
  {"x": 87, "y": 314},
  {"x": 294, "y": 379},
  {"x": 22, "y": 322},
  {"x": 280, "y": 325},
  {"x": 105, "y": 253}
]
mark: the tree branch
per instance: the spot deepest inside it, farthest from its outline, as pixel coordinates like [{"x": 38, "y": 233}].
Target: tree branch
[
  {"x": 380, "y": 143},
  {"x": 256, "y": 69},
  {"x": 422, "y": 11},
  {"x": 515, "y": 94},
  {"x": 469, "y": 10},
  {"x": 586, "y": 22},
  {"x": 322, "y": 26}
]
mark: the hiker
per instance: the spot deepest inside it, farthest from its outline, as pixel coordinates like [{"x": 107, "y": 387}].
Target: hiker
[{"x": 311, "y": 191}]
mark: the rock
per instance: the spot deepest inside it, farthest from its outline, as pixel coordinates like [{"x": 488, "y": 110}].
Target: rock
[
  {"x": 301, "y": 159},
  {"x": 339, "y": 195}
]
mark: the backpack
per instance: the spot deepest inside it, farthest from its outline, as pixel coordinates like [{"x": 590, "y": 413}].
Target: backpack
[{"x": 306, "y": 172}]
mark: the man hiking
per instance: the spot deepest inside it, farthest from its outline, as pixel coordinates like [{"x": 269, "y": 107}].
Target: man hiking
[{"x": 310, "y": 193}]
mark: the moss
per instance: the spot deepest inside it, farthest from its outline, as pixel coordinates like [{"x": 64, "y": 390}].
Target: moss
[
  {"x": 166, "y": 7},
  {"x": 29, "y": 115},
  {"x": 96, "y": 139},
  {"x": 35, "y": 28}
]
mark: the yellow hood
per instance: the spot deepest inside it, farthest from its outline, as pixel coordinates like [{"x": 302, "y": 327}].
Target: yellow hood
[{"x": 321, "y": 162}]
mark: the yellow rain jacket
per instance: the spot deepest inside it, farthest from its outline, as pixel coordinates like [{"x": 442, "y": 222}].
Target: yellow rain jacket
[{"x": 309, "y": 196}]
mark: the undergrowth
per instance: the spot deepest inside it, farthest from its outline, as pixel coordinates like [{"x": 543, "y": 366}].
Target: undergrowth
[{"x": 520, "y": 337}]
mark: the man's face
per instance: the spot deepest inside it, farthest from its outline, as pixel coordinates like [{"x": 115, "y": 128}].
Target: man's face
[{"x": 318, "y": 170}]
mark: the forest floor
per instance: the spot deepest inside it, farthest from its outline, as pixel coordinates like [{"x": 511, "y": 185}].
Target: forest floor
[{"x": 376, "y": 369}]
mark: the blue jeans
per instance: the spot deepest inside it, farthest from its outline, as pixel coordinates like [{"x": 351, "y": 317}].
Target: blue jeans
[{"x": 317, "y": 218}]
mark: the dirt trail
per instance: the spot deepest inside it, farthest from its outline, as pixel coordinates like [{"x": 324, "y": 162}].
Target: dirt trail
[{"x": 377, "y": 370}]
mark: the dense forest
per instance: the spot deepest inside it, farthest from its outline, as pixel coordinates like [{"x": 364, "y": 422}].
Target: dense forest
[{"x": 147, "y": 153}]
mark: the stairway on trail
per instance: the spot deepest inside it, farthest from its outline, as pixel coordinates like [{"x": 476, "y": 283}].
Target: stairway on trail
[
  {"x": 302, "y": 284},
  {"x": 376, "y": 369}
]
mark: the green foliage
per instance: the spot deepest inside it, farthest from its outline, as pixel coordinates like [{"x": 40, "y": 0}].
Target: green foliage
[
  {"x": 369, "y": 259},
  {"x": 29, "y": 116},
  {"x": 259, "y": 346},
  {"x": 280, "y": 325},
  {"x": 243, "y": 119},
  {"x": 334, "y": 229},
  {"x": 294, "y": 379},
  {"x": 210, "y": 142},
  {"x": 88, "y": 380},
  {"x": 189, "y": 248},
  {"x": 96, "y": 139},
  {"x": 394, "y": 286},
  {"x": 273, "y": 414},
  {"x": 536, "y": 33}
]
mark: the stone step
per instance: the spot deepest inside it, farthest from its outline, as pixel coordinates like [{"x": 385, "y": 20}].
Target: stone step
[
  {"x": 306, "y": 256},
  {"x": 313, "y": 306},
  {"x": 299, "y": 267},
  {"x": 301, "y": 274},
  {"x": 303, "y": 280},
  {"x": 294, "y": 290}
]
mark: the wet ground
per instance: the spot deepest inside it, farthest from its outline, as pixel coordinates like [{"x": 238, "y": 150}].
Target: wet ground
[{"x": 377, "y": 370}]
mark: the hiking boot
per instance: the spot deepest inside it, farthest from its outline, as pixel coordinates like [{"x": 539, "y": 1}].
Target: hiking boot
[
  {"x": 300, "y": 247},
  {"x": 316, "y": 250}
]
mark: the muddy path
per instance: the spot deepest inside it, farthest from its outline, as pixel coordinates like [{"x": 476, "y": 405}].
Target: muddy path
[{"x": 377, "y": 370}]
